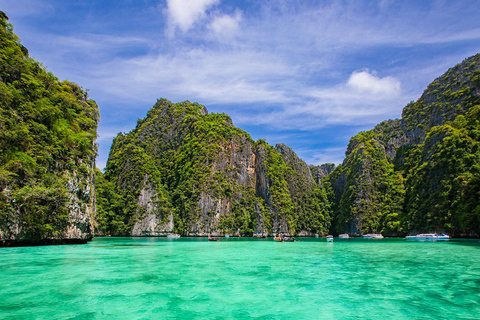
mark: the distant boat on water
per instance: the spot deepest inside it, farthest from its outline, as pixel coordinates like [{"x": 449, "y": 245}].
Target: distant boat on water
[
  {"x": 227, "y": 235},
  {"x": 329, "y": 238},
  {"x": 429, "y": 237},
  {"x": 373, "y": 236},
  {"x": 212, "y": 238},
  {"x": 344, "y": 236},
  {"x": 284, "y": 239},
  {"x": 174, "y": 236}
]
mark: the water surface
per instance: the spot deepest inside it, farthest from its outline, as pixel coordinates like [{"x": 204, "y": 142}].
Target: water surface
[{"x": 158, "y": 278}]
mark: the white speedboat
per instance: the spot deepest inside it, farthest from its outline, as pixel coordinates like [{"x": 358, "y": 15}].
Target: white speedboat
[
  {"x": 373, "y": 236},
  {"x": 429, "y": 237},
  {"x": 344, "y": 236},
  {"x": 329, "y": 238}
]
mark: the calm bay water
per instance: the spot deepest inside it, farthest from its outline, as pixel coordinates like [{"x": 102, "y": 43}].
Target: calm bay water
[{"x": 157, "y": 278}]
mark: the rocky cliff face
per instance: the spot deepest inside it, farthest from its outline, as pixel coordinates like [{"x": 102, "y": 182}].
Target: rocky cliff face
[
  {"x": 377, "y": 188},
  {"x": 47, "y": 138},
  {"x": 321, "y": 171},
  {"x": 448, "y": 96},
  {"x": 213, "y": 179}
]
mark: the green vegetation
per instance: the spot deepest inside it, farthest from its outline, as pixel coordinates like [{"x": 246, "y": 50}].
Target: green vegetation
[
  {"x": 372, "y": 197},
  {"x": 420, "y": 173},
  {"x": 443, "y": 178},
  {"x": 47, "y": 133},
  {"x": 203, "y": 173},
  {"x": 417, "y": 174},
  {"x": 186, "y": 171}
]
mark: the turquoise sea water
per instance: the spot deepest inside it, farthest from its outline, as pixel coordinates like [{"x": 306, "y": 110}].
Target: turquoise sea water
[{"x": 158, "y": 278}]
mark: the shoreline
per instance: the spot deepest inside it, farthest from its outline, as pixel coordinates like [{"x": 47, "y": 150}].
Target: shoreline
[{"x": 44, "y": 242}]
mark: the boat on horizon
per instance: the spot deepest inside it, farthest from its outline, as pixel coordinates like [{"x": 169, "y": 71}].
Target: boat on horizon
[
  {"x": 329, "y": 238},
  {"x": 373, "y": 236},
  {"x": 344, "y": 236},
  {"x": 429, "y": 237},
  {"x": 284, "y": 239},
  {"x": 210, "y": 238},
  {"x": 173, "y": 236}
]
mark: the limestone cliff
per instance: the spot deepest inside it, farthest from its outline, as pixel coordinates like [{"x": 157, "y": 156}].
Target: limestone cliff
[
  {"x": 47, "y": 141},
  {"x": 213, "y": 179},
  {"x": 378, "y": 186},
  {"x": 321, "y": 171}
]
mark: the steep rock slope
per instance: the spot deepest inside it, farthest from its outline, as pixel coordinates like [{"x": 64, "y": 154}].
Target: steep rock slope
[
  {"x": 187, "y": 171},
  {"x": 417, "y": 174},
  {"x": 47, "y": 159},
  {"x": 368, "y": 192}
]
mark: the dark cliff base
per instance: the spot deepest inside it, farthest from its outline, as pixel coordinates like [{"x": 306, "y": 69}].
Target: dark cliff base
[{"x": 45, "y": 242}]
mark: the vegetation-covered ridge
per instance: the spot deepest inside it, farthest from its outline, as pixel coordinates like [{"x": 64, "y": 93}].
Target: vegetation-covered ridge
[
  {"x": 183, "y": 170},
  {"x": 47, "y": 140},
  {"x": 420, "y": 173},
  {"x": 186, "y": 171}
]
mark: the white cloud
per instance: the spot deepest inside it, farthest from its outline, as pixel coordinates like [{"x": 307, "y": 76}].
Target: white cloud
[
  {"x": 201, "y": 75},
  {"x": 226, "y": 24},
  {"x": 363, "y": 81},
  {"x": 183, "y": 14},
  {"x": 362, "y": 99},
  {"x": 288, "y": 56}
]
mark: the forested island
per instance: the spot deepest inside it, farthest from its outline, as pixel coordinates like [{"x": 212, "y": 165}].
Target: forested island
[
  {"x": 185, "y": 170},
  {"x": 47, "y": 137}
]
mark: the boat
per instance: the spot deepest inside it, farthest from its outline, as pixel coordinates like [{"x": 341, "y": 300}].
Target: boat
[
  {"x": 373, "y": 236},
  {"x": 344, "y": 236},
  {"x": 210, "y": 238},
  {"x": 329, "y": 238},
  {"x": 227, "y": 235},
  {"x": 284, "y": 239},
  {"x": 429, "y": 237},
  {"x": 173, "y": 236}
]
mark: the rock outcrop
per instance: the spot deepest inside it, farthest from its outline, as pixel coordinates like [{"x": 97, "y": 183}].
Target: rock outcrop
[
  {"x": 403, "y": 177},
  {"x": 212, "y": 179},
  {"x": 47, "y": 138},
  {"x": 321, "y": 171}
]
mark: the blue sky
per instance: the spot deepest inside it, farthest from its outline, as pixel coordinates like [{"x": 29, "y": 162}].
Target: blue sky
[{"x": 309, "y": 74}]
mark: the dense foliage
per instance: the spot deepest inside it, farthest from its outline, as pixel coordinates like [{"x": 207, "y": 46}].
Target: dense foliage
[
  {"x": 47, "y": 133},
  {"x": 372, "y": 196},
  {"x": 416, "y": 174},
  {"x": 443, "y": 178},
  {"x": 420, "y": 173},
  {"x": 204, "y": 173}
]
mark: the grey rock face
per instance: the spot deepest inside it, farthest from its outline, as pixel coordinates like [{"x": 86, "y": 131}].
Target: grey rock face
[
  {"x": 221, "y": 172},
  {"x": 324, "y": 170},
  {"x": 150, "y": 221},
  {"x": 80, "y": 209}
]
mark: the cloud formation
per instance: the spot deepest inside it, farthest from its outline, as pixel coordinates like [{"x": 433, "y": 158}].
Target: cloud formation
[
  {"x": 225, "y": 24},
  {"x": 282, "y": 65},
  {"x": 183, "y": 14},
  {"x": 363, "y": 81}
]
